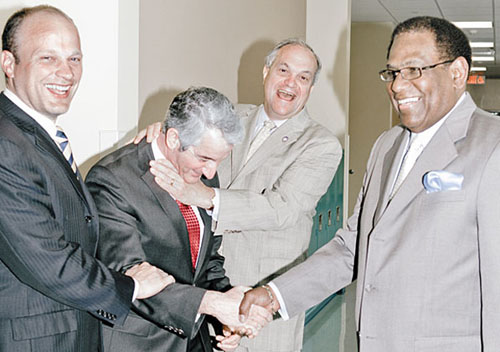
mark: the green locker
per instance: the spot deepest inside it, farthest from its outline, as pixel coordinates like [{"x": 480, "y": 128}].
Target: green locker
[{"x": 323, "y": 322}]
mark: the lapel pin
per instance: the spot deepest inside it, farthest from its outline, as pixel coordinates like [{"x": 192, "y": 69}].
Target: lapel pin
[{"x": 284, "y": 139}]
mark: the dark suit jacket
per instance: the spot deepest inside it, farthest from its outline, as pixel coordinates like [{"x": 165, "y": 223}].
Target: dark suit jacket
[
  {"x": 50, "y": 282},
  {"x": 141, "y": 222}
]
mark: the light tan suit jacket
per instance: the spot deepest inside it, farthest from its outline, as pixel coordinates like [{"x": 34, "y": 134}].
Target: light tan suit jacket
[
  {"x": 266, "y": 211},
  {"x": 428, "y": 267}
]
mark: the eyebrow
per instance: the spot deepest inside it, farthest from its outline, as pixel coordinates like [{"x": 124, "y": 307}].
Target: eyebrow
[
  {"x": 287, "y": 66},
  {"x": 411, "y": 63}
]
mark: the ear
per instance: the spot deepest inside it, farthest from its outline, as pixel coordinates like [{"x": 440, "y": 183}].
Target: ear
[
  {"x": 459, "y": 70},
  {"x": 172, "y": 139},
  {"x": 8, "y": 62},
  {"x": 265, "y": 71}
]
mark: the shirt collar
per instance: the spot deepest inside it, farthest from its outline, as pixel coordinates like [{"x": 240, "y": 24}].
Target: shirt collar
[
  {"x": 157, "y": 154},
  {"x": 47, "y": 123},
  {"x": 262, "y": 117}
]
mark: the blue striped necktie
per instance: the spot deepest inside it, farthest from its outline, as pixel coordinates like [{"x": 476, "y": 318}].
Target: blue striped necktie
[{"x": 62, "y": 141}]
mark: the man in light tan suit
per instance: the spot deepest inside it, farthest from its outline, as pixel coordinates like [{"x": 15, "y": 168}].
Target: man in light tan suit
[
  {"x": 425, "y": 248},
  {"x": 269, "y": 191}
]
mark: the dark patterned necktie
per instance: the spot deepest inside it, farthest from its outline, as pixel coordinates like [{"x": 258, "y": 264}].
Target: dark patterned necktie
[
  {"x": 63, "y": 143},
  {"x": 193, "y": 228}
]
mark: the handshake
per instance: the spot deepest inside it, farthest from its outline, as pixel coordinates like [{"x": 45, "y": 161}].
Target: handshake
[{"x": 241, "y": 310}]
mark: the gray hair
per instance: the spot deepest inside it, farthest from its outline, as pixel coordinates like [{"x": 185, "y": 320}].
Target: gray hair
[
  {"x": 293, "y": 41},
  {"x": 199, "y": 109}
]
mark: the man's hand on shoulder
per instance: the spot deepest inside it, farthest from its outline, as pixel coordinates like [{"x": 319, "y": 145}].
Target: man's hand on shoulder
[{"x": 150, "y": 132}]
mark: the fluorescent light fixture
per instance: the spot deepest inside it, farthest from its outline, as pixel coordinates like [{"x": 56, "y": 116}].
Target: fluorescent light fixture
[
  {"x": 474, "y": 24},
  {"x": 481, "y": 44},
  {"x": 483, "y": 58},
  {"x": 483, "y": 52},
  {"x": 478, "y": 69}
]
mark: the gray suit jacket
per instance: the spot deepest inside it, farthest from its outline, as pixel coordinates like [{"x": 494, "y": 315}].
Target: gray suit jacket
[
  {"x": 428, "y": 273},
  {"x": 51, "y": 287},
  {"x": 141, "y": 222},
  {"x": 266, "y": 211}
]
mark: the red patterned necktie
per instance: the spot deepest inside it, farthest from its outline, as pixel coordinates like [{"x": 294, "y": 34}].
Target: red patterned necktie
[{"x": 193, "y": 228}]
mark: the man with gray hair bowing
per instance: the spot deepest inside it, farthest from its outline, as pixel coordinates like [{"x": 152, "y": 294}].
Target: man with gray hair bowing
[
  {"x": 139, "y": 221},
  {"x": 270, "y": 184}
]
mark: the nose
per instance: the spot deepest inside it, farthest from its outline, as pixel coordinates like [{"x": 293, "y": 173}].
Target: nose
[
  {"x": 398, "y": 83},
  {"x": 209, "y": 170},
  {"x": 64, "y": 70},
  {"x": 291, "y": 81}
]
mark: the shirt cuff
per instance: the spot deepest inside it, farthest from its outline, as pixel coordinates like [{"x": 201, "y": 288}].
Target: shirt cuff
[
  {"x": 216, "y": 203},
  {"x": 282, "y": 310},
  {"x": 136, "y": 289}
]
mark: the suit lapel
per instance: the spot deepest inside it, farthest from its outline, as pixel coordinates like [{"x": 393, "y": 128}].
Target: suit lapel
[
  {"x": 207, "y": 233},
  {"x": 41, "y": 138},
  {"x": 437, "y": 155},
  {"x": 166, "y": 201},
  {"x": 275, "y": 144},
  {"x": 239, "y": 152},
  {"x": 44, "y": 142},
  {"x": 171, "y": 209},
  {"x": 389, "y": 171}
]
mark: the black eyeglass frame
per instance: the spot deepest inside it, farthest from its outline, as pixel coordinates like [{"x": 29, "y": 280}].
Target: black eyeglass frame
[{"x": 419, "y": 69}]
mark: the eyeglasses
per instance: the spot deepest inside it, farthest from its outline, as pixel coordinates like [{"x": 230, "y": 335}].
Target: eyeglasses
[{"x": 408, "y": 73}]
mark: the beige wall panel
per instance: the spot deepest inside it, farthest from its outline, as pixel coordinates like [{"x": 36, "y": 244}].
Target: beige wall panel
[
  {"x": 328, "y": 32},
  {"x": 218, "y": 43},
  {"x": 369, "y": 107}
]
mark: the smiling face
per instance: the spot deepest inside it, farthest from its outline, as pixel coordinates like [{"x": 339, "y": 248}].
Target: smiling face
[
  {"x": 288, "y": 82},
  {"x": 423, "y": 101},
  {"x": 49, "y": 65},
  {"x": 197, "y": 160}
]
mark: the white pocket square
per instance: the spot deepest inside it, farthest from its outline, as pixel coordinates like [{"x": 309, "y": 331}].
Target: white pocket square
[{"x": 439, "y": 180}]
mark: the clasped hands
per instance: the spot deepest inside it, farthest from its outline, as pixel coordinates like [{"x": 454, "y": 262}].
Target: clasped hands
[
  {"x": 240, "y": 314},
  {"x": 226, "y": 308}
]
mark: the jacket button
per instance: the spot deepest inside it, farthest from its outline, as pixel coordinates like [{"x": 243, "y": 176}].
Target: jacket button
[{"x": 88, "y": 218}]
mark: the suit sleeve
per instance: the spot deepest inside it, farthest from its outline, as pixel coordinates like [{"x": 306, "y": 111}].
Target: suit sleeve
[
  {"x": 488, "y": 217},
  {"x": 295, "y": 192},
  {"x": 330, "y": 268},
  {"x": 120, "y": 247},
  {"x": 34, "y": 247}
]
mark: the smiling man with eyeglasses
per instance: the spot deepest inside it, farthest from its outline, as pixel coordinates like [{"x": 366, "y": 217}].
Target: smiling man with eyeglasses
[{"x": 425, "y": 235}]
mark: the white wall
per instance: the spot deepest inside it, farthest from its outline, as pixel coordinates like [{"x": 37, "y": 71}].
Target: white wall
[{"x": 96, "y": 107}]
